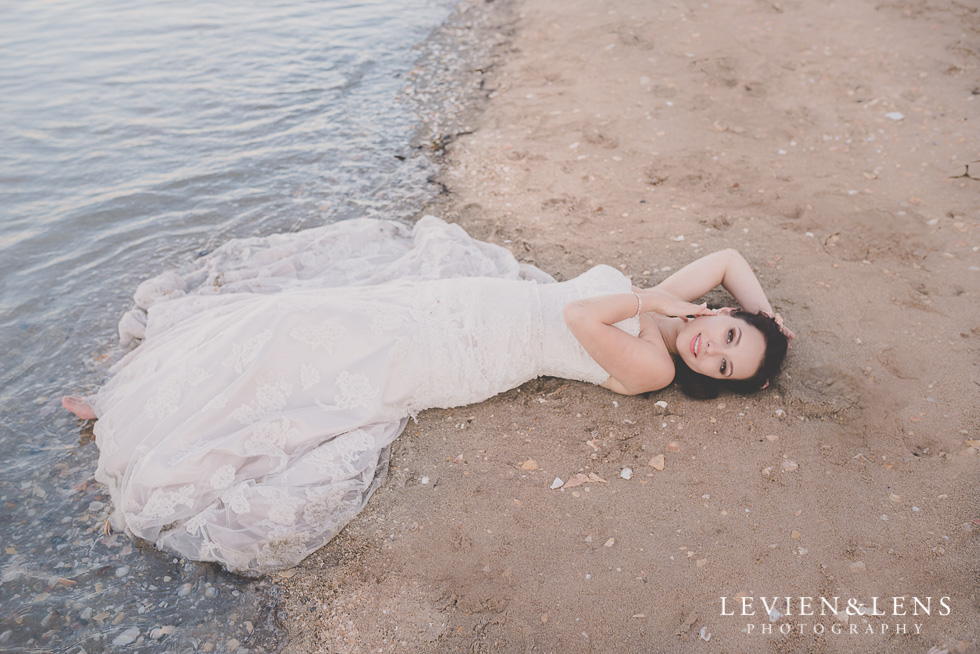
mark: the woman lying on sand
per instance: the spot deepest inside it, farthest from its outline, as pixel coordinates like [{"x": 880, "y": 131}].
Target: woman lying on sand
[{"x": 248, "y": 425}]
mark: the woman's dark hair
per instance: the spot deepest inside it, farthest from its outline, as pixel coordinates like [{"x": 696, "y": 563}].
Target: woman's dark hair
[{"x": 703, "y": 387}]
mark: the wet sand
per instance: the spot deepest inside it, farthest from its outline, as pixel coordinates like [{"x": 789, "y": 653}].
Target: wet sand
[{"x": 829, "y": 143}]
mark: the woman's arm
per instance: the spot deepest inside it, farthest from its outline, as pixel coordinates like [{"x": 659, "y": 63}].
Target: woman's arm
[
  {"x": 725, "y": 267},
  {"x": 732, "y": 271},
  {"x": 634, "y": 364}
]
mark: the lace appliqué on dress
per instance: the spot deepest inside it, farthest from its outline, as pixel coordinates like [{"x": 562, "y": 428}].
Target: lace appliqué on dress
[
  {"x": 270, "y": 395},
  {"x": 217, "y": 402},
  {"x": 269, "y": 439},
  {"x": 335, "y": 459},
  {"x": 353, "y": 390},
  {"x": 309, "y": 376},
  {"x": 235, "y": 500},
  {"x": 167, "y": 398},
  {"x": 323, "y": 336},
  {"x": 163, "y": 504},
  {"x": 245, "y": 353},
  {"x": 223, "y": 477},
  {"x": 325, "y": 506},
  {"x": 282, "y": 506}
]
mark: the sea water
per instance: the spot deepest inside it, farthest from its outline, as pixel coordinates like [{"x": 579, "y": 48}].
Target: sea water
[{"x": 134, "y": 137}]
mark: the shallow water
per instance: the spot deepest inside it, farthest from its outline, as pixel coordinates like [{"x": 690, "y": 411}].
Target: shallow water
[{"x": 135, "y": 137}]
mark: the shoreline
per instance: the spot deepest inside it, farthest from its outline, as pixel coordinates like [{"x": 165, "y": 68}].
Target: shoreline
[{"x": 643, "y": 137}]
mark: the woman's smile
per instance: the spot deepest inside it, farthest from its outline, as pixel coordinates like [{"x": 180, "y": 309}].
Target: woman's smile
[{"x": 721, "y": 346}]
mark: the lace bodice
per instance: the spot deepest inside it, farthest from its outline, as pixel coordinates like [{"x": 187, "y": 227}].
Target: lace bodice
[
  {"x": 477, "y": 337},
  {"x": 560, "y": 354}
]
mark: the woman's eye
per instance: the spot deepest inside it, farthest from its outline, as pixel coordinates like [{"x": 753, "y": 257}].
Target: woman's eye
[
  {"x": 724, "y": 366},
  {"x": 731, "y": 335}
]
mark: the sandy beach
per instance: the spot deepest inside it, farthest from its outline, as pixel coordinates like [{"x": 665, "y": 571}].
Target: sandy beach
[{"x": 836, "y": 146}]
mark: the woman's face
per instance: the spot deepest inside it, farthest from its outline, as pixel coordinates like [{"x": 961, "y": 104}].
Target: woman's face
[{"x": 721, "y": 347}]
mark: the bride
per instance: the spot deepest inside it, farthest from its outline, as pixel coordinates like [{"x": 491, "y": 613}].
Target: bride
[{"x": 253, "y": 420}]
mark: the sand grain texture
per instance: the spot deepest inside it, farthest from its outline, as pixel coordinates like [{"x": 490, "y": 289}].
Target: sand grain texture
[{"x": 612, "y": 130}]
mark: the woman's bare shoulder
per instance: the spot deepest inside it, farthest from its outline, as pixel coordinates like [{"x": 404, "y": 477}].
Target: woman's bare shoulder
[{"x": 657, "y": 367}]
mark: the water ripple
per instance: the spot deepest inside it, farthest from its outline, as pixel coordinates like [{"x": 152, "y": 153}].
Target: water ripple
[{"x": 135, "y": 136}]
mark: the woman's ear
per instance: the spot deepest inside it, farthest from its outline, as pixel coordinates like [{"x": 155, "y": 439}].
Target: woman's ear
[
  {"x": 764, "y": 385},
  {"x": 726, "y": 310}
]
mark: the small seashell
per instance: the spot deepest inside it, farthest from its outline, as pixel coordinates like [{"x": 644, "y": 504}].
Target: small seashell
[{"x": 557, "y": 483}]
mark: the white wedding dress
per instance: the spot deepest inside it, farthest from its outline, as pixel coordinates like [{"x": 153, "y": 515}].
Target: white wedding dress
[{"x": 253, "y": 420}]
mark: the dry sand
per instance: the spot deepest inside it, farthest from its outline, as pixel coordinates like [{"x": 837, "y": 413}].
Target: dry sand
[{"x": 829, "y": 143}]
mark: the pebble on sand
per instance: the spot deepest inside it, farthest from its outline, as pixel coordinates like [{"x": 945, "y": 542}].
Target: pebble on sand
[
  {"x": 789, "y": 465},
  {"x": 658, "y": 462},
  {"x": 858, "y": 566},
  {"x": 557, "y": 483},
  {"x": 626, "y": 473},
  {"x": 126, "y": 637},
  {"x": 160, "y": 632}
]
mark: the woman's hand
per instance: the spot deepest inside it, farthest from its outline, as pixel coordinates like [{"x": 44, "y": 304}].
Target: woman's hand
[
  {"x": 667, "y": 304},
  {"x": 783, "y": 328}
]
